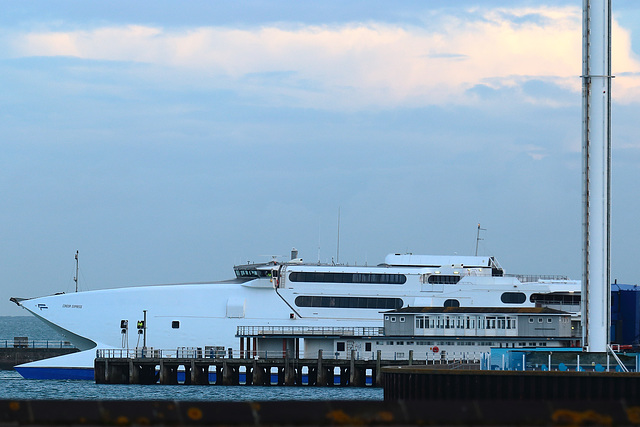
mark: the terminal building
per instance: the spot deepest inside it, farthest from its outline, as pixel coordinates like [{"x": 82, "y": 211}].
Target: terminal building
[{"x": 427, "y": 333}]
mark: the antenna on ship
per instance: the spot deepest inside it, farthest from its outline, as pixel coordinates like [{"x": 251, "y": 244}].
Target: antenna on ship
[
  {"x": 75, "y": 279},
  {"x": 478, "y": 237},
  {"x": 338, "y": 249}
]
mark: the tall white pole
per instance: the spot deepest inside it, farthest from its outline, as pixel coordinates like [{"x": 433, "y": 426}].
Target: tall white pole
[{"x": 596, "y": 169}]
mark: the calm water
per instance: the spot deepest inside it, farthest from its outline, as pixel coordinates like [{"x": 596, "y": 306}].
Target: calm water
[{"x": 13, "y": 386}]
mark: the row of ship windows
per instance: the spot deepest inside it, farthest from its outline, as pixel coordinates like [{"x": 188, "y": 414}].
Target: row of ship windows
[
  {"x": 330, "y": 277},
  {"x": 348, "y": 302},
  {"x": 390, "y": 303},
  {"x": 373, "y": 278}
]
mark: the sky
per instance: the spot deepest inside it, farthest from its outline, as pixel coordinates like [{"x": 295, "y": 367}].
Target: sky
[{"x": 167, "y": 141}]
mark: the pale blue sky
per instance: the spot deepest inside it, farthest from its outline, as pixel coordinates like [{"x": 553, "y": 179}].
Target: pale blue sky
[{"x": 167, "y": 141}]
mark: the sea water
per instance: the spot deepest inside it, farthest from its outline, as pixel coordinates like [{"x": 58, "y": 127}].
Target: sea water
[{"x": 13, "y": 386}]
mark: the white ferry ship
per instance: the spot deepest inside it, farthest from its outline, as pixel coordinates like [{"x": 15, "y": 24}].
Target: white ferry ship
[{"x": 280, "y": 293}]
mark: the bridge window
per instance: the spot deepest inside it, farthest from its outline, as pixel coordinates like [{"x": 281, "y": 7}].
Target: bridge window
[{"x": 443, "y": 279}]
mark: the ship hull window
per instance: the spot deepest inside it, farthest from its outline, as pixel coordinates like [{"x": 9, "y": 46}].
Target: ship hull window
[{"x": 513, "y": 298}]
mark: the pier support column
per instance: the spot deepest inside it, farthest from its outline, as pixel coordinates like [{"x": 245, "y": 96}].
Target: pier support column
[
  {"x": 358, "y": 376},
  {"x": 352, "y": 369},
  {"x": 226, "y": 374},
  {"x": 289, "y": 371},
  {"x": 258, "y": 373},
  {"x": 193, "y": 378},
  {"x": 134, "y": 373},
  {"x": 321, "y": 378},
  {"x": 377, "y": 378}
]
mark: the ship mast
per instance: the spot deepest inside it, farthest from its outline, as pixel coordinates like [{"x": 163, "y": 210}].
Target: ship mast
[{"x": 596, "y": 170}]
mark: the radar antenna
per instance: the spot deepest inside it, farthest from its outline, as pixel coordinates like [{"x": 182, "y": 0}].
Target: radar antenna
[{"x": 75, "y": 279}]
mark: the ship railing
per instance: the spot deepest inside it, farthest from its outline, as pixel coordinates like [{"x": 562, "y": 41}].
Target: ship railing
[
  {"x": 25, "y": 342},
  {"x": 533, "y": 278},
  {"x": 248, "y": 331}
]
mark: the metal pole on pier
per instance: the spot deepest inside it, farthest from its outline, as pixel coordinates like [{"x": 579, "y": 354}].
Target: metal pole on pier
[
  {"x": 596, "y": 170},
  {"x": 144, "y": 330}
]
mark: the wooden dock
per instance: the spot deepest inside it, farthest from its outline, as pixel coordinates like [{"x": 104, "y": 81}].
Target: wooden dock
[{"x": 282, "y": 371}]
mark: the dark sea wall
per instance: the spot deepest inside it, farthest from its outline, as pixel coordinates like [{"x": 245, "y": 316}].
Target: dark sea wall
[{"x": 315, "y": 413}]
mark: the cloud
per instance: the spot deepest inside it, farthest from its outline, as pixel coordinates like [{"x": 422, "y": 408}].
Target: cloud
[{"x": 360, "y": 64}]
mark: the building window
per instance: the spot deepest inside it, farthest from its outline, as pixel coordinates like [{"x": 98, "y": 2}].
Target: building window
[
  {"x": 549, "y": 320},
  {"x": 393, "y": 318},
  {"x": 401, "y": 319},
  {"x": 340, "y": 346},
  {"x": 367, "y": 346},
  {"x": 452, "y": 303},
  {"x": 530, "y": 319},
  {"x": 175, "y": 324}
]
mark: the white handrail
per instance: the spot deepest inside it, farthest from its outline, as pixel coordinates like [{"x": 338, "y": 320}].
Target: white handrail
[{"x": 615, "y": 356}]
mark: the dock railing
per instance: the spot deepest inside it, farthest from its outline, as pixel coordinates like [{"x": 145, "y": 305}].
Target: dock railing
[
  {"x": 25, "y": 342},
  {"x": 213, "y": 352}
]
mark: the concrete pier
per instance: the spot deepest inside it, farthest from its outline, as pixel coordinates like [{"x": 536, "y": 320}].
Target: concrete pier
[{"x": 254, "y": 371}]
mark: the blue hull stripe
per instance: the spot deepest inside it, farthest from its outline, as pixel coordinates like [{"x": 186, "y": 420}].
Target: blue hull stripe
[{"x": 56, "y": 373}]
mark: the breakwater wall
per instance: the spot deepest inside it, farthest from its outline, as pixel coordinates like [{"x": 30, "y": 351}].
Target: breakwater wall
[{"x": 22, "y": 350}]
